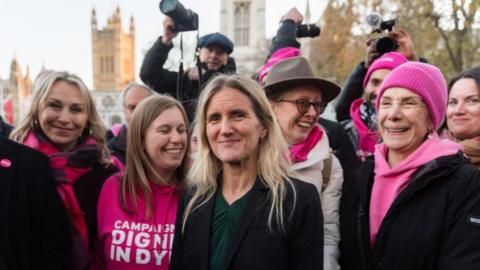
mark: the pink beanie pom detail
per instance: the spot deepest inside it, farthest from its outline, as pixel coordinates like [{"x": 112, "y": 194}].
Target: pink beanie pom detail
[
  {"x": 279, "y": 55},
  {"x": 425, "y": 80},
  {"x": 388, "y": 60}
]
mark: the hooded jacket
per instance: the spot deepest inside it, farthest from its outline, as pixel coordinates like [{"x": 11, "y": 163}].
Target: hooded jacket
[
  {"x": 434, "y": 223},
  {"x": 310, "y": 171},
  {"x": 133, "y": 241}
]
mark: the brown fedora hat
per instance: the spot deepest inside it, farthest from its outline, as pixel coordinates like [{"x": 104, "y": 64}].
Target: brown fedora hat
[{"x": 296, "y": 71}]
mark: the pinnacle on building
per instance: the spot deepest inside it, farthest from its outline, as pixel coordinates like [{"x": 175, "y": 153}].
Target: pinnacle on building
[{"x": 113, "y": 53}]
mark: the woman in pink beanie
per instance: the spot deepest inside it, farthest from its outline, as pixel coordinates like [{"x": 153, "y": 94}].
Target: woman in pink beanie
[{"x": 416, "y": 205}]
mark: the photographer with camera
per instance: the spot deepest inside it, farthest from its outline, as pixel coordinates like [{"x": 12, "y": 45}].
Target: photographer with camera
[
  {"x": 213, "y": 57},
  {"x": 356, "y": 103},
  {"x": 396, "y": 40}
]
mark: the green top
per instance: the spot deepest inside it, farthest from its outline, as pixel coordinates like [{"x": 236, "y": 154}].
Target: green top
[{"x": 224, "y": 221}]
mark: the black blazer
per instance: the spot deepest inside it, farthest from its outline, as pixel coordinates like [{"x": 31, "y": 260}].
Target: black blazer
[
  {"x": 34, "y": 228},
  {"x": 253, "y": 245}
]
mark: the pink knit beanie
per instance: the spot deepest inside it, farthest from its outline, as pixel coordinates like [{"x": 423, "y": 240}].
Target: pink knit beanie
[
  {"x": 280, "y": 54},
  {"x": 425, "y": 80},
  {"x": 388, "y": 60}
]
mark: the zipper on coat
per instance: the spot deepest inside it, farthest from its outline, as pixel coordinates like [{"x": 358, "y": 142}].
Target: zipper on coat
[
  {"x": 397, "y": 203},
  {"x": 360, "y": 232}
]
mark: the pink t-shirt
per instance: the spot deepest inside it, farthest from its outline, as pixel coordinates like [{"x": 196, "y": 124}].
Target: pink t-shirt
[{"x": 132, "y": 241}]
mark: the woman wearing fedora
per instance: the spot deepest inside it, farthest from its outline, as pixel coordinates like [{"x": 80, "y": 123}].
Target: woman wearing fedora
[{"x": 298, "y": 97}]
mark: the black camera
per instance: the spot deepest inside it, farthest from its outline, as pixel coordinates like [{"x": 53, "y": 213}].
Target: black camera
[
  {"x": 185, "y": 19},
  {"x": 385, "y": 43},
  {"x": 308, "y": 30}
]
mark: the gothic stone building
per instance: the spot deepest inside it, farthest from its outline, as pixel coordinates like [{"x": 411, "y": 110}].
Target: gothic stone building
[
  {"x": 113, "y": 58},
  {"x": 244, "y": 23}
]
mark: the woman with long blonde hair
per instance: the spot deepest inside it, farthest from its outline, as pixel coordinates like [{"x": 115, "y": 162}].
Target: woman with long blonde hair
[
  {"x": 64, "y": 125},
  {"x": 241, "y": 210},
  {"x": 141, "y": 204}
]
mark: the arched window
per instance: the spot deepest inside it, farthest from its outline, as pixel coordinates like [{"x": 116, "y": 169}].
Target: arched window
[
  {"x": 111, "y": 65},
  {"x": 242, "y": 23}
]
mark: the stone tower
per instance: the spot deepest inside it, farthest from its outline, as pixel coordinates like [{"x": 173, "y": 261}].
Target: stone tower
[
  {"x": 113, "y": 53},
  {"x": 243, "y": 21}
]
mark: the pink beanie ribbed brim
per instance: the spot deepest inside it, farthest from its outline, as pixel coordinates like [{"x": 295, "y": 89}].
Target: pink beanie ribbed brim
[
  {"x": 425, "y": 80},
  {"x": 388, "y": 61}
]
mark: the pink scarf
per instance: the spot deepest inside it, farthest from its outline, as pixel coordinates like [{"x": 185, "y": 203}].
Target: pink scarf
[
  {"x": 299, "y": 152},
  {"x": 366, "y": 138},
  {"x": 389, "y": 182},
  {"x": 68, "y": 167}
]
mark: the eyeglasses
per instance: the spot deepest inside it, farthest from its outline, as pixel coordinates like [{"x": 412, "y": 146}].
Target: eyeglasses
[{"x": 303, "y": 105}]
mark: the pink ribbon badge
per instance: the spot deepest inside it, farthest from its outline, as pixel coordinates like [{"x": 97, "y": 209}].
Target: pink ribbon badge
[{"x": 5, "y": 163}]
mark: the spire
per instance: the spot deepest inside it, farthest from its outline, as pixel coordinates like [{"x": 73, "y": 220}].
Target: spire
[
  {"x": 15, "y": 71},
  {"x": 94, "y": 18},
  {"x": 307, "y": 12},
  {"x": 132, "y": 25},
  {"x": 116, "y": 18}
]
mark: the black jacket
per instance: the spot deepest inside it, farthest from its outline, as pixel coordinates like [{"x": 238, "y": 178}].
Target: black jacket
[
  {"x": 164, "y": 81},
  {"x": 352, "y": 90},
  {"x": 252, "y": 246},
  {"x": 286, "y": 36},
  {"x": 341, "y": 146},
  {"x": 433, "y": 224},
  {"x": 118, "y": 144},
  {"x": 34, "y": 227},
  {"x": 5, "y": 128},
  {"x": 87, "y": 190}
]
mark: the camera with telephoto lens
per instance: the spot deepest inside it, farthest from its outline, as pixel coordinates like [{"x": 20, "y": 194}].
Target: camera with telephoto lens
[
  {"x": 308, "y": 30},
  {"x": 185, "y": 19},
  {"x": 384, "y": 43}
]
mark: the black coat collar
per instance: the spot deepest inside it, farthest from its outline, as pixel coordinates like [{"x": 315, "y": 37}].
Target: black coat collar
[
  {"x": 6, "y": 155},
  {"x": 256, "y": 199},
  {"x": 202, "y": 223}
]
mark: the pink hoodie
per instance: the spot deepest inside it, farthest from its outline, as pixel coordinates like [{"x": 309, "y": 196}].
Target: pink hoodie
[
  {"x": 366, "y": 138},
  {"x": 389, "y": 182},
  {"x": 132, "y": 241}
]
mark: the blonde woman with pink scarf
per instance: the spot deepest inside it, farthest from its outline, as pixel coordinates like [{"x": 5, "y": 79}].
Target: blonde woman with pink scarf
[
  {"x": 417, "y": 204},
  {"x": 64, "y": 124},
  {"x": 298, "y": 98}
]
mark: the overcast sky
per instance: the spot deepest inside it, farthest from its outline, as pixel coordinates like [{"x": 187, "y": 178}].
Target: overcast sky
[{"x": 57, "y": 33}]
